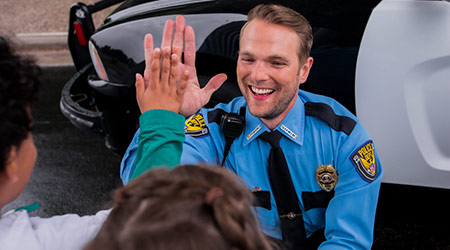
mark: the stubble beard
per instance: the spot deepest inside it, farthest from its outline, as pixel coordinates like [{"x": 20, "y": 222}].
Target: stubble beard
[{"x": 278, "y": 107}]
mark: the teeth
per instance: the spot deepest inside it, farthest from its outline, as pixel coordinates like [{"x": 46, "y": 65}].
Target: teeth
[{"x": 262, "y": 91}]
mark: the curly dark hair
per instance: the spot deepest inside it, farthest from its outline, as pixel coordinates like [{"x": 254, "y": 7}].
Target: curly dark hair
[
  {"x": 19, "y": 87},
  {"x": 190, "y": 207}
]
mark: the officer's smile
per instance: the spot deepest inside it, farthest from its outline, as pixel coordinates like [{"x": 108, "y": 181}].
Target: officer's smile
[{"x": 261, "y": 93}]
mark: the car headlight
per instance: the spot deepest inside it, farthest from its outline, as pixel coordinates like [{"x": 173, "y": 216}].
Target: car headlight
[{"x": 98, "y": 65}]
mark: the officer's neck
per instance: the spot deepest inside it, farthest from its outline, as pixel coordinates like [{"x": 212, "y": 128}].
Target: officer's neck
[{"x": 272, "y": 123}]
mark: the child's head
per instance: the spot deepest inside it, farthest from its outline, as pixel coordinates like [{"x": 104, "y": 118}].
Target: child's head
[
  {"x": 19, "y": 86},
  {"x": 190, "y": 207}
]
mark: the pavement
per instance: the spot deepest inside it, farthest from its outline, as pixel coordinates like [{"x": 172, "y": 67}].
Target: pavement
[
  {"x": 48, "y": 49},
  {"x": 40, "y": 31},
  {"x": 74, "y": 171}
]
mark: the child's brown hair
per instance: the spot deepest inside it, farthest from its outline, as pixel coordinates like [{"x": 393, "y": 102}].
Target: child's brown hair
[{"x": 190, "y": 207}]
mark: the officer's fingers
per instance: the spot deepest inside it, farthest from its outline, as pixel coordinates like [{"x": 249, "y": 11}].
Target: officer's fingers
[
  {"x": 140, "y": 87},
  {"x": 140, "y": 90},
  {"x": 182, "y": 86},
  {"x": 148, "y": 51},
  {"x": 178, "y": 40},
  {"x": 167, "y": 35},
  {"x": 214, "y": 84},
  {"x": 155, "y": 68},
  {"x": 165, "y": 69},
  {"x": 173, "y": 71},
  {"x": 189, "y": 47}
]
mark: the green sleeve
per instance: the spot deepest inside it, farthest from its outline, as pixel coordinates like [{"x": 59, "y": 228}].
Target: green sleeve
[{"x": 160, "y": 140}]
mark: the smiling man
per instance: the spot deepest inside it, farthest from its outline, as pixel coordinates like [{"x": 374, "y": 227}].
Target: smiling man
[
  {"x": 303, "y": 155},
  {"x": 271, "y": 68}
]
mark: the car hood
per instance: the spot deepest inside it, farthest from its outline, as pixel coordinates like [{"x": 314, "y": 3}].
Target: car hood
[{"x": 132, "y": 10}]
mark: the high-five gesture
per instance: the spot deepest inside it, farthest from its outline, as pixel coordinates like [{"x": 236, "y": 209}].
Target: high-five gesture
[
  {"x": 160, "y": 88},
  {"x": 174, "y": 42}
]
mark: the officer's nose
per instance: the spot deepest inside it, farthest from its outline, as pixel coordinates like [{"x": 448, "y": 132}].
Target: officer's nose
[{"x": 259, "y": 72}]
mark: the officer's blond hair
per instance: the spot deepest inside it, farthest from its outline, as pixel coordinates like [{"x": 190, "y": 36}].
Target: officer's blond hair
[{"x": 280, "y": 15}]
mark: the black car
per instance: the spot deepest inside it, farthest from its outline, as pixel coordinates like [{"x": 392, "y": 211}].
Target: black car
[{"x": 100, "y": 97}]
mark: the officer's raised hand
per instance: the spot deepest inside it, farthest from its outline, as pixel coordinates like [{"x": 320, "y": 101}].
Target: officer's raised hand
[
  {"x": 161, "y": 87},
  {"x": 184, "y": 38}
]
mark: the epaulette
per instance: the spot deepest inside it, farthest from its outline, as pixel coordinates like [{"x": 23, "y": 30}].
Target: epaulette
[{"x": 327, "y": 114}]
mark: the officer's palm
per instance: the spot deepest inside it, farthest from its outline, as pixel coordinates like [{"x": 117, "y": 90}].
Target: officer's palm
[{"x": 195, "y": 97}]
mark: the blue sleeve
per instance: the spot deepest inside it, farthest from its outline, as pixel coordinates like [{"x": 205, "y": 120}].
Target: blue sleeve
[
  {"x": 128, "y": 161},
  {"x": 201, "y": 147},
  {"x": 350, "y": 215},
  {"x": 199, "y": 150}
]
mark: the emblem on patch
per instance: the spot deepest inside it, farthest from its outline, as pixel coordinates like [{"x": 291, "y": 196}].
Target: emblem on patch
[
  {"x": 195, "y": 126},
  {"x": 326, "y": 177},
  {"x": 364, "y": 160}
]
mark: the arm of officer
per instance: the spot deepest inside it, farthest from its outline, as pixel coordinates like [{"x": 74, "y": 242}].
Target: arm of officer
[
  {"x": 200, "y": 147},
  {"x": 165, "y": 129},
  {"x": 350, "y": 215},
  {"x": 129, "y": 158}
]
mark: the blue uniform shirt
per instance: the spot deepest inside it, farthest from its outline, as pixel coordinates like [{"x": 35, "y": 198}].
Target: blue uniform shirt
[{"x": 317, "y": 131}]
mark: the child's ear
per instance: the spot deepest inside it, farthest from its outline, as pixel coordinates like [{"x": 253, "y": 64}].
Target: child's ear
[
  {"x": 10, "y": 175},
  {"x": 119, "y": 196}
]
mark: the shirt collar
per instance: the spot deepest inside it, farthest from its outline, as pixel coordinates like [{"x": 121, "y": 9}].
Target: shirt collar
[{"x": 292, "y": 126}]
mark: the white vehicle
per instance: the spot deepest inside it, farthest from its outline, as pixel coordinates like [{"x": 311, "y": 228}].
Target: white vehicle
[{"x": 403, "y": 90}]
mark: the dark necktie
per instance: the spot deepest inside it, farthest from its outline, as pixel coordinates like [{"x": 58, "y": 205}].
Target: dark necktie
[{"x": 291, "y": 219}]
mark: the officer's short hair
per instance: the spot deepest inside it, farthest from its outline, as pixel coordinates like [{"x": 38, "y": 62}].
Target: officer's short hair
[{"x": 289, "y": 18}]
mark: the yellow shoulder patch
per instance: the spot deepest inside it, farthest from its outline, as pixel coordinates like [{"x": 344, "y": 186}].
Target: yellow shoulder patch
[
  {"x": 195, "y": 126},
  {"x": 364, "y": 160}
]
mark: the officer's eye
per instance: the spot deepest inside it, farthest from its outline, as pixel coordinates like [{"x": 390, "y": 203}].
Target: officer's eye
[
  {"x": 278, "y": 63},
  {"x": 247, "y": 59}
]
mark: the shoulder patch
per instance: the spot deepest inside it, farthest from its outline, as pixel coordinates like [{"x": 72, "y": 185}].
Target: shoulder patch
[
  {"x": 364, "y": 161},
  {"x": 195, "y": 126}
]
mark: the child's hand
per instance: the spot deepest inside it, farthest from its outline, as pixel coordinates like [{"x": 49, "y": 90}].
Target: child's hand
[
  {"x": 177, "y": 37},
  {"x": 159, "y": 89}
]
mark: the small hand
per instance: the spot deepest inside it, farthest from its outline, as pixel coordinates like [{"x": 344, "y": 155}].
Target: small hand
[{"x": 161, "y": 87}]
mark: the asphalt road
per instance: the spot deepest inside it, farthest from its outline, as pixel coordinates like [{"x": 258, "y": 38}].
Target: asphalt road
[
  {"x": 74, "y": 172},
  {"x": 412, "y": 218}
]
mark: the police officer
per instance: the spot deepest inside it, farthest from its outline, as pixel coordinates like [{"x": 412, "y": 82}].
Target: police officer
[{"x": 331, "y": 175}]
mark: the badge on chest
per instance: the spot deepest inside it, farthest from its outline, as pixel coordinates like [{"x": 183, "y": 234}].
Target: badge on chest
[{"x": 326, "y": 177}]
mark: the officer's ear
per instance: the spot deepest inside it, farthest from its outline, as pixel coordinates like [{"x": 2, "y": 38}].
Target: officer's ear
[{"x": 304, "y": 70}]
